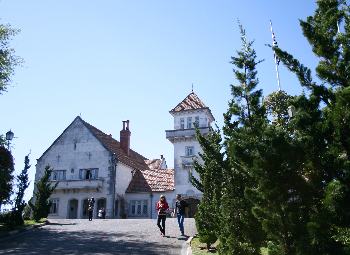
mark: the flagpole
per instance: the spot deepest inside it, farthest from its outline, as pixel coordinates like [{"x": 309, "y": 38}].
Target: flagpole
[{"x": 276, "y": 62}]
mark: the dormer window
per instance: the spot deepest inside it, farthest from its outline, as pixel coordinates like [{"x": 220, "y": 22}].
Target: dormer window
[
  {"x": 182, "y": 123},
  {"x": 189, "y": 122}
]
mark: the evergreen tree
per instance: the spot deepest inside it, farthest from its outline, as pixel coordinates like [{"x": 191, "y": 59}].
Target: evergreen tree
[
  {"x": 322, "y": 125},
  {"x": 210, "y": 174},
  {"x": 42, "y": 205},
  {"x": 22, "y": 186},
  {"x": 241, "y": 232},
  {"x": 15, "y": 217}
]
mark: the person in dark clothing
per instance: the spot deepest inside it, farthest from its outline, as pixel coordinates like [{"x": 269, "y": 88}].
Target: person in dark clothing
[
  {"x": 103, "y": 213},
  {"x": 91, "y": 203},
  {"x": 162, "y": 208},
  {"x": 181, "y": 211}
]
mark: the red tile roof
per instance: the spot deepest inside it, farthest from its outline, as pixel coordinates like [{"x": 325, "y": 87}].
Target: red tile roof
[
  {"x": 191, "y": 102},
  {"x": 153, "y": 163},
  {"x": 152, "y": 180},
  {"x": 134, "y": 160},
  {"x": 147, "y": 177}
]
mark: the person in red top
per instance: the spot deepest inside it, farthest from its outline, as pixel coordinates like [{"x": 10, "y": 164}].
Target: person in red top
[{"x": 162, "y": 208}]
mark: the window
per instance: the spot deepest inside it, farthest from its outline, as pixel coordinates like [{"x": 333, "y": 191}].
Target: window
[
  {"x": 54, "y": 206},
  {"x": 189, "y": 122},
  {"x": 88, "y": 173},
  {"x": 58, "y": 175},
  {"x": 182, "y": 123},
  {"x": 197, "y": 121},
  {"x": 189, "y": 151},
  {"x": 139, "y": 208}
]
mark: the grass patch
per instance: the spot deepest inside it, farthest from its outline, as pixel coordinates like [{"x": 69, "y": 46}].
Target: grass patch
[
  {"x": 27, "y": 223},
  {"x": 201, "y": 248}
]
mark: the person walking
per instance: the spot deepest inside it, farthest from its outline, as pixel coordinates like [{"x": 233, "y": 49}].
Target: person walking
[
  {"x": 162, "y": 208},
  {"x": 91, "y": 207},
  {"x": 181, "y": 210}
]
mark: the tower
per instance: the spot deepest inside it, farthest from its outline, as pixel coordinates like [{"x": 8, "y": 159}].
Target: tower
[{"x": 183, "y": 137}]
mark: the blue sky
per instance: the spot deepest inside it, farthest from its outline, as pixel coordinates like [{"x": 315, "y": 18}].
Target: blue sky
[{"x": 110, "y": 61}]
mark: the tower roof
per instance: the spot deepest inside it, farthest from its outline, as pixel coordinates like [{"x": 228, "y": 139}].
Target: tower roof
[{"x": 191, "y": 102}]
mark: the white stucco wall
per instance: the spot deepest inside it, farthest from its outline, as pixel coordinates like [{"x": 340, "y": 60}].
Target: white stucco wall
[
  {"x": 151, "y": 202},
  {"x": 77, "y": 148}
]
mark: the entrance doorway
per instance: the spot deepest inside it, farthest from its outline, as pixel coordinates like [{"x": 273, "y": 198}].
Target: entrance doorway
[
  {"x": 192, "y": 206},
  {"x": 85, "y": 209},
  {"x": 73, "y": 209},
  {"x": 101, "y": 203}
]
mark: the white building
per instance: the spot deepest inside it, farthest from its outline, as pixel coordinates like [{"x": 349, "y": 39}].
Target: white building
[{"x": 89, "y": 163}]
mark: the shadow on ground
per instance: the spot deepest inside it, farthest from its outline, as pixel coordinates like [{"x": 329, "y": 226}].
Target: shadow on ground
[{"x": 46, "y": 241}]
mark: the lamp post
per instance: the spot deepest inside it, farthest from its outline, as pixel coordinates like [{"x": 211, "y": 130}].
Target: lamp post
[{"x": 9, "y": 137}]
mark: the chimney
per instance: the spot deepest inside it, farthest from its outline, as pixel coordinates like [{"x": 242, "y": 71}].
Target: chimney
[{"x": 125, "y": 138}]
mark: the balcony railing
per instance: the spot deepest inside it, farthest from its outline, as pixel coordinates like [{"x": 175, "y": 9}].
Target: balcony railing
[
  {"x": 188, "y": 160},
  {"x": 80, "y": 184},
  {"x": 178, "y": 133}
]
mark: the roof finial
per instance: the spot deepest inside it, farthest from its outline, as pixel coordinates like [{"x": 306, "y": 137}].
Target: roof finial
[{"x": 192, "y": 86}]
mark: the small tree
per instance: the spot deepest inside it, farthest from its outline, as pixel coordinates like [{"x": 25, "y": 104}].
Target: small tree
[
  {"x": 210, "y": 174},
  {"x": 22, "y": 186},
  {"x": 14, "y": 218},
  {"x": 42, "y": 205}
]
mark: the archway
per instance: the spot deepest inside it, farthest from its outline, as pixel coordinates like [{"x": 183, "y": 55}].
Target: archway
[
  {"x": 85, "y": 209},
  {"x": 101, "y": 203},
  {"x": 192, "y": 206},
  {"x": 73, "y": 209}
]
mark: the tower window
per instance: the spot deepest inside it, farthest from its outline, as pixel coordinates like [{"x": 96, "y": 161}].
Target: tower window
[
  {"x": 189, "y": 122},
  {"x": 197, "y": 121},
  {"x": 182, "y": 123},
  {"x": 189, "y": 151}
]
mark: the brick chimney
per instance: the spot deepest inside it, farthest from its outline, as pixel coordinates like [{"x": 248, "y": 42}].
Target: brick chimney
[{"x": 125, "y": 138}]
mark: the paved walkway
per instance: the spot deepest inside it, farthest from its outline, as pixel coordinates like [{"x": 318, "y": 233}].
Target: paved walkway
[{"x": 110, "y": 236}]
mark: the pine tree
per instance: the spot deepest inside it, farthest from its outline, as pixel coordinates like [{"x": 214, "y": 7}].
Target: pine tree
[
  {"x": 241, "y": 232},
  {"x": 22, "y": 186},
  {"x": 15, "y": 217},
  {"x": 42, "y": 205},
  {"x": 210, "y": 174},
  {"x": 322, "y": 125}
]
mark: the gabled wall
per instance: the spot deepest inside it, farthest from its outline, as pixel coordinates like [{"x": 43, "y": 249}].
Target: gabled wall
[{"x": 76, "y": 149}]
